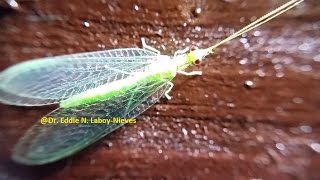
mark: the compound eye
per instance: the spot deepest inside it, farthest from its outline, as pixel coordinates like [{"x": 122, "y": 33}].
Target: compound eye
[
  {"x": 192, "y": 48},
  {"x": 197, "y": 62}
]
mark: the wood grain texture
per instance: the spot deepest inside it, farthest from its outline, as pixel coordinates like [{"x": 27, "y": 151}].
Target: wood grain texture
[{"x": 216, "y": 126}]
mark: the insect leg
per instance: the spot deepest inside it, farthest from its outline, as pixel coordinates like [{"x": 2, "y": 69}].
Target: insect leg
[
  {"x": 182, "y": 51},
  {"x": 167, "y": 91},
  {"x": 145, "y": 46},
  {"x": 192, "y": 73}
]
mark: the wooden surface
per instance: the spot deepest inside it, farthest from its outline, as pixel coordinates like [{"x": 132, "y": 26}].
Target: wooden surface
[{"x": 217, "y": 126}]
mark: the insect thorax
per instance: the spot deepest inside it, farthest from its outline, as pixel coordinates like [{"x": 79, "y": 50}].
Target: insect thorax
[{"x": 165, "y": 66}]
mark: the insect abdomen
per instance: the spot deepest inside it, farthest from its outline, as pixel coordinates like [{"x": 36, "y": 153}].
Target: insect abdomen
[{"x": 115, "y": 88}]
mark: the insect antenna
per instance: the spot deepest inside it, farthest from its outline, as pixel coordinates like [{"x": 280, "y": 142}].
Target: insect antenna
[{"x": 258, "y": 22}]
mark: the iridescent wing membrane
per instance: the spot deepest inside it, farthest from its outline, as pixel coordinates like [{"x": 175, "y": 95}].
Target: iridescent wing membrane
[
  {"x": 47, "y": 143},
  {"x": 50, "y": 80}
]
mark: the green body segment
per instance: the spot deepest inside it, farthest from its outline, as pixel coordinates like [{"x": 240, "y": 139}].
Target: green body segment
[
  {"x": 192, "y": 57},
  {"x": 115, "y": 88}
]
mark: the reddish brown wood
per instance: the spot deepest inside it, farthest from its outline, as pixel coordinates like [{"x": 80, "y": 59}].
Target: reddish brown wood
[{"x": 234, "y": 131}]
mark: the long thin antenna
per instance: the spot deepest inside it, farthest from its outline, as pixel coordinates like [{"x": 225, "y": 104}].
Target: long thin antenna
[{"x": 258, "y": 22}]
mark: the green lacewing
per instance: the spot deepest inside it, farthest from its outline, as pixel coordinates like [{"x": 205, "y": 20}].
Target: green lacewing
[{"x": 119, "y": 83}]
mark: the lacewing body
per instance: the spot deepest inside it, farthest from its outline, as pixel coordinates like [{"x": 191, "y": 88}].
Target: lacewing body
[{"x": 120, "y": 83}]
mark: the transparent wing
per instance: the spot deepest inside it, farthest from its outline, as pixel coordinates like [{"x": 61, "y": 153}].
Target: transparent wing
[
  {"x": 49, "y": 80},
  {"x": 47, "y": 143}
]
